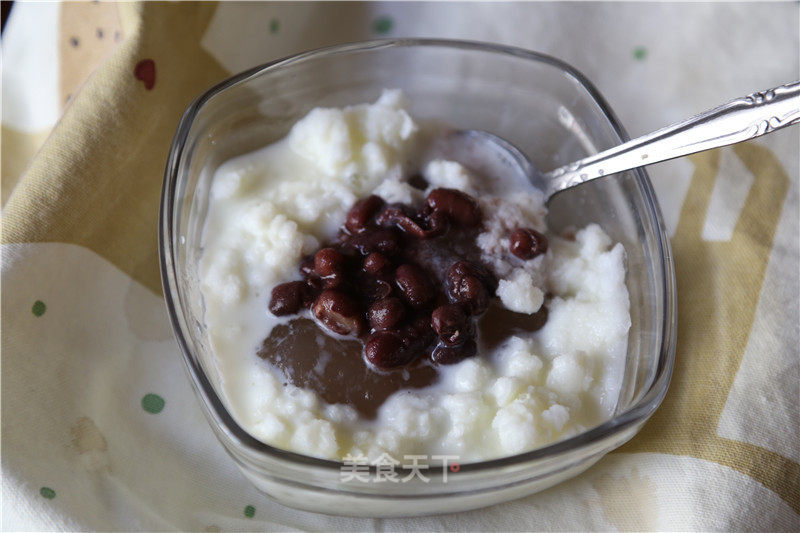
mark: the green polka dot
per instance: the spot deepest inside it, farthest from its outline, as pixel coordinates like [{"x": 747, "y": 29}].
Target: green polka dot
[
  {"x": 249, "y": 511},
  {"x": 382, "y": 25},
  {"x": 38, "y": 308},
  {"x": 274, "y": 25},
  {"x": 47, "y": 492},
  {"x": 152, "y": 403},
  {"x": 639, "y": 53}
]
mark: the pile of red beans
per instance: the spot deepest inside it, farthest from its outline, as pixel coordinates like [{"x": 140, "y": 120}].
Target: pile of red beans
[{"x": 370, "y": 285}]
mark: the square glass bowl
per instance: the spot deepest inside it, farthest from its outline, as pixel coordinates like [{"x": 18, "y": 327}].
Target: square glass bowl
[{"x": 542, "y": 105}]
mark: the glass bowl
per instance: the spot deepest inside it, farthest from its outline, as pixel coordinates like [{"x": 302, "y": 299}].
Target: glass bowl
[{"x": 543, "y": 106}]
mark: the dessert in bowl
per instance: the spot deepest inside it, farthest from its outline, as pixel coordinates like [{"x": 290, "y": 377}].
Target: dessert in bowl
[
  {"x": 366, "y": 296},
  {"x": 342, "y": 287}
]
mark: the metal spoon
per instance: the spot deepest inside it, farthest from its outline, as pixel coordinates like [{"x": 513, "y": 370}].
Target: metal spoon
[{"x": 736, "y": 121}]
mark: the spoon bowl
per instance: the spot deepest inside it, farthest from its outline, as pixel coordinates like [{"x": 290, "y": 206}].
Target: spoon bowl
[{"x": 737, "y": 121}]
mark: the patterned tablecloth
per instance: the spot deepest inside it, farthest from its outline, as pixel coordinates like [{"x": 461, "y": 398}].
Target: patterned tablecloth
[{"x": 100, "y": 428}]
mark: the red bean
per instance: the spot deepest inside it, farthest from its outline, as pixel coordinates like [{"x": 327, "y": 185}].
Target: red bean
[
  {"x": 373, "y": 289},
  {"x": 395, "y": 215},
  {"x": 328, "y": 262},
  {"x": 527, "y": 243},
  {"x": 435, "y": 221},
  {"x": 450, "y": 322},
  {"x": 417, "y": 333},
  {"x": 360, "y": 214},
  {"x": 459, "y": 207},
  {"x": 385, "y": 350},
  {"x": 467, "y": 289},
  {"x": 374, "y": 240},
  {"x": 338, "y": 312},
  {"x": 414, "y": 284},
  {"x": 376, "y": 263},
  {"x": 390, "y": 214},
  {"x": 287, "y": 298},
  {"x": 449, "y": 355},
  {"x": 385, "y": 313},
  {"x": 329, "y": 265},
  {"x": 464, "y": 268}
]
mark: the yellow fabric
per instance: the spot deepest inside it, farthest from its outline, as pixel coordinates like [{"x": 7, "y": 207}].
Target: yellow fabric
[
  {"x": 96, "y": 182},
  {"x": 718, "y": 285}
]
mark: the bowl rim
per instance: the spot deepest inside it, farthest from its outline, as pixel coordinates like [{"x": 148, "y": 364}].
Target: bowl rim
[{"x": 213, "y": 405}]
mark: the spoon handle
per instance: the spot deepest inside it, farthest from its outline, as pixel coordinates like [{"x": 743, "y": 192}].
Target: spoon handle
[{"x": 738, "y": 120}]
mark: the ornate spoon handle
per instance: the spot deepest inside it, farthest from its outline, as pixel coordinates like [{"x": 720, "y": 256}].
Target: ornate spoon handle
[{"x": 738, "y": 120}]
